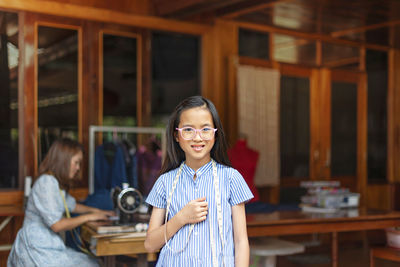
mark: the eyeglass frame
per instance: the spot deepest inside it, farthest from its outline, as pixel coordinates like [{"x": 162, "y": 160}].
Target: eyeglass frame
[{"x": 195, "y": 132}]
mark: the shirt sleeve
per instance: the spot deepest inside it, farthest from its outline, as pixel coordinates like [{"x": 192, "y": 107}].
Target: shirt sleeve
[
  {"x": 157, "y": 196},
  {"x": 71, "y": 202},
  {"x": 47, "y": 199},
  {"x": 239, "y": 190}
]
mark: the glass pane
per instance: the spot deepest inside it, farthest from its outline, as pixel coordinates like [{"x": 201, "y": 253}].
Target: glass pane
[
  {"x": 57, "y": 85},
  {"x": 340, "y": 56},
  {"x": 8, "y": 100},
  {"x": 344, "y": 129},
  {"x": 295, "y": 126},
  {"x": 253, "y": 44},
  {"x": 289, "y": 49},
  {"x": 175, "y": 72},
  {"x": 119, "y": 80},
  {"x": 377, "y": 70}
]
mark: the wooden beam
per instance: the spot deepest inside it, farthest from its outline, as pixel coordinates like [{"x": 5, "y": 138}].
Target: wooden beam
[
  {"x": 312, "y": 36},
  {"x": 166, "y": 7},
  {"x": 206, "y": 8},
  {"x": 247, "y": 7},
  {"x": 103, "y": 15},
  {"x": 364, "y": 28},
  {"x": 341, "y": 62}
]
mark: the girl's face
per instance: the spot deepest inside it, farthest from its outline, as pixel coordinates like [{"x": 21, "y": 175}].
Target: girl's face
[
  {"x": 197, "y": 150},
  {"x": 75, "y": 165}
]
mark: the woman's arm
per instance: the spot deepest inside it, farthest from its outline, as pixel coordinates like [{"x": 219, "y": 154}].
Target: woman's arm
[
  {"x": 195, "y": 211},
  {"x": 88, "y": 214},
  {"x": 80, "y": 209},
  {"x": 242, "y": 251},
  {"x": 70, "y": 223}
]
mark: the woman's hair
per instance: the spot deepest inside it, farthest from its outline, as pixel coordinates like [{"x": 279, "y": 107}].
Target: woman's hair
[
  {"x": 175, "y": 155},
  {"x": 57, "y": 161}
]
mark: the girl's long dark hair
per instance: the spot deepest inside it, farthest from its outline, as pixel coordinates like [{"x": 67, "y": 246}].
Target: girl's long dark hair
[{"x": 175, "y": 155}]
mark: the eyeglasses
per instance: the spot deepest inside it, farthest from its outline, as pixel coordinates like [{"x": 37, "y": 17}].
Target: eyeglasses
[{"x": 189, "y": 133}]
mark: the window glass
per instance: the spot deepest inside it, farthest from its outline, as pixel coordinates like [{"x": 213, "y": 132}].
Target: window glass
[
  {"x": 57, "y": 86},
  {"x": 254, "y": 44},
  {"x": 8, "y": 100},
  {"x": 344, "y": 129},
  {"x": 119, "y": 80},
  {"x": 377, "y": 71},
  {"x": 175, "y": 72},
  {"x": 295, "y": 126},
  {"x": 293, "y": 50}
]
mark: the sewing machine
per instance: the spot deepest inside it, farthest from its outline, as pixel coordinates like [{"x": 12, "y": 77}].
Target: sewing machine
[{"x": 126, "y": 202}]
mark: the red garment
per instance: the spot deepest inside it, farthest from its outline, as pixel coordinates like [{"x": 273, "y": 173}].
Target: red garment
[{"x": 244, "y": 159}]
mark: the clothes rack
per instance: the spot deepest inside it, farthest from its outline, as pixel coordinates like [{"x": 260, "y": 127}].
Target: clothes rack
[{"x": 93, "y": 129}]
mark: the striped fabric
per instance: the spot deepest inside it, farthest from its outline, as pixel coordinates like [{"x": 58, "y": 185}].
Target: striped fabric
[{"x": 234, "y": 190}]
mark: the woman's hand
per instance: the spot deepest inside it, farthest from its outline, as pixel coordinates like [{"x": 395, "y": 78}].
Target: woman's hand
[
  {"x": 96, "y": 216},
  {"x": 194, "y": 212},
  {"x": 100, "y": 215}
]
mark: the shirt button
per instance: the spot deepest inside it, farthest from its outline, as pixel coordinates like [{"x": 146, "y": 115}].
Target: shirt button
[{"x": 196, "y": 233}]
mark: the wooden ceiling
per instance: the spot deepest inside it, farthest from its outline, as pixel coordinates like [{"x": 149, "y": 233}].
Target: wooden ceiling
[{"x": 365, "y": 21}]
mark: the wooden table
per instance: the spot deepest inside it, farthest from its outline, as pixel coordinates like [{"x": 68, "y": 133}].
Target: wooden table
[
  {"x": 9, "y": 211},
  {"x": 298, "y": 222},
  {"x": 110, "y": 245}
]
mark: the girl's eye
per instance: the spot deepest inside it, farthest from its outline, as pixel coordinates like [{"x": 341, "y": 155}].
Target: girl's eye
[
  {"x": 188, "y": 130},
  {"x": 206, "y": 129}
]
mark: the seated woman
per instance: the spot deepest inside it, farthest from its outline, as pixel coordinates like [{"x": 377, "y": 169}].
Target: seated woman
[{"x": 38, "y": 242}]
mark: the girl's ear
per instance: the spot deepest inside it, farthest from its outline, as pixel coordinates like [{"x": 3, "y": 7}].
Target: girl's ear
[{"x": 176, "y": 137}]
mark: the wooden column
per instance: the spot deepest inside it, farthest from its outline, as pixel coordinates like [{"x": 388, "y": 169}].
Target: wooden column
[
  {"x": 219, "y": 45},
  {"x": 146, "y": 77},
  {"x": 27, "y": 101}
]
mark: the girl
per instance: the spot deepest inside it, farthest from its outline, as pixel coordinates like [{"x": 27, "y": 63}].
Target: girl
[
  {"x": 38, "y": 242},
  {"x": 198, "y": 216}
]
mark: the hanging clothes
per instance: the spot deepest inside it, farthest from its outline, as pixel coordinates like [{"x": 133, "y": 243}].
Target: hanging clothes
[
  {"x": 109, "y": 167},
  {"x": 109, "y": 172},
  {"x": 130, "y": 157},
  {"x": 149, "y": 159}
]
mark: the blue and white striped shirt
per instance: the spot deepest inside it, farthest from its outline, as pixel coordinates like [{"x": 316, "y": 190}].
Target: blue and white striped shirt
[{"x": 233, "y": 190}]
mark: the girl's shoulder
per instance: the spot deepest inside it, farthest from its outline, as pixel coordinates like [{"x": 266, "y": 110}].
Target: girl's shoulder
[
  {"x": 46, "y": 180},
  {"x": 168, "y": 175},
  {"x": 226, "y": 168}
]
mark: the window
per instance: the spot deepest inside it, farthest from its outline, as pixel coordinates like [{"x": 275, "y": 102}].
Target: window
[
  {"x": 295, "y": 126},
  {"x": 175, "y": 72},
  {"x": 119, "y": 80},
  {"x": 377, "y": 70},
  {"x": 8, "y": 100},
  {"x": 58, "y": 86}
]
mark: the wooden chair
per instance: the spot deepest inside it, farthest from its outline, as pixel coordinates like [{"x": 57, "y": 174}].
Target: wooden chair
[
  {"x": 269, "y": 248},
  {"x": 386, "y": 253}
]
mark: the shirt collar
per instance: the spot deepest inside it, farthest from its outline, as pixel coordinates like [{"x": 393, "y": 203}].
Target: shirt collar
[{"x": 202, "y": 170}]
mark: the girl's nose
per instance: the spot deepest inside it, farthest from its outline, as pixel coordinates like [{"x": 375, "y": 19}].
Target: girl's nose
[{"x": 197, "y": 136}]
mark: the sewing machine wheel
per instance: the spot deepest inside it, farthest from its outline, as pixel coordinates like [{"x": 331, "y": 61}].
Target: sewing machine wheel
[{"x": 129, "y": 200}]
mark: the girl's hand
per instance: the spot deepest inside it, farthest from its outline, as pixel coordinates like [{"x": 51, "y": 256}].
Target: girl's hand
[{"x": 195, "y": 211}]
